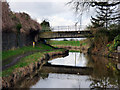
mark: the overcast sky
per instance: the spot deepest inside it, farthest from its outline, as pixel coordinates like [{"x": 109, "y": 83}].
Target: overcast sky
[{"x": 55, "y": 11}]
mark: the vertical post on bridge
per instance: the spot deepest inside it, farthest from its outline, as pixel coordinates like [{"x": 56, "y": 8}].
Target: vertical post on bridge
[
  {"x": 68, "y": 28},
  {"x": 76, "y": 26},
  {"x": 58, "y": 28}
]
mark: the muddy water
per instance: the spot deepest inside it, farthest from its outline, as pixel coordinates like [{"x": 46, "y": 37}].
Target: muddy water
[{"x": 105, "y": 74}]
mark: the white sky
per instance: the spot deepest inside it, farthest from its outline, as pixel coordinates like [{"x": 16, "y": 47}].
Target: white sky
[{"x": 55, "y": 11}]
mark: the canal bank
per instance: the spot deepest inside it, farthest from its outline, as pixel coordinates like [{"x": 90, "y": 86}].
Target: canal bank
[
  {"x": 36, "y": 62},
  {"x": 102, "y": 75},
  {"x": 87, "y": 46},
  {"x": 82, "y": 49},
  {"x": 102, "y": 66},
  {"x": 72, "y": 45}
]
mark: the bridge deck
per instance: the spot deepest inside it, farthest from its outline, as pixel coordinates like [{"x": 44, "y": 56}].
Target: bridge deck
[{"x": 65, "y": 34}]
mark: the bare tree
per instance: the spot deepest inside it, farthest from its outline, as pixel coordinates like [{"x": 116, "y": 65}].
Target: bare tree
[{"x": 81, "y": 6}]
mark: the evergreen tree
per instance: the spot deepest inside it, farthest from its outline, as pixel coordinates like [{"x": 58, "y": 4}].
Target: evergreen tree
[
  {"x": 105, "y": 15},
  {"x": 105, "y": 8},
  {"x": 45, "y": 26}
]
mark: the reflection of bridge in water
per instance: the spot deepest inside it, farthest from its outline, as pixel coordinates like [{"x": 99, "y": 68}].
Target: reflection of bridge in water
[
  {"x": 48, "y": 68},
  {"x": 66, "y": 32}
]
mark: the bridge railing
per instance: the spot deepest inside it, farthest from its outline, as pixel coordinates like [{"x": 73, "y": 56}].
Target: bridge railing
[{"x": 69, "y": 28}]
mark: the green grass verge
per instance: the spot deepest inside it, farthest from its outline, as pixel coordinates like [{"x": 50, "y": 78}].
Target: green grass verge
[
  {"x": 26, "y": 61},
  {"x": 11, "y": 53}
]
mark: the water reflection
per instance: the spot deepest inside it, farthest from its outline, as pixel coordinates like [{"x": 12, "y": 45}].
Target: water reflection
[
  {"x": 74, "y": 59},
  {"x": 105, "y": 74},
  {"x": 31, "y": 80},
  {"x": 63, "y": 81}
]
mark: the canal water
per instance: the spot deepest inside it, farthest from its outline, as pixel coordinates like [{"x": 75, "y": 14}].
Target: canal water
[
  {"x": 73, "y": 59},
  {"x": 105, "y": 74}
]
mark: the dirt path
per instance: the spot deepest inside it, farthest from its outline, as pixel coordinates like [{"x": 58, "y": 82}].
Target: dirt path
[{"x": 17, "y": 58}]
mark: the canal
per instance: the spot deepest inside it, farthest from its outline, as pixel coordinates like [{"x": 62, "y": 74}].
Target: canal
[{"x": 104, "y": 74}]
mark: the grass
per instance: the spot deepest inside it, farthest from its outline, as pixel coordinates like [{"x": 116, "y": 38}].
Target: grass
[
  {"x": 68, "y": 43},
  {"x": 7, "y": 56},
  {"x": 23, "y": 62},
  {"x": 11, "y": 53},
  {"x": 26, "y": 61},
  {"x": 42, "y": 48}
]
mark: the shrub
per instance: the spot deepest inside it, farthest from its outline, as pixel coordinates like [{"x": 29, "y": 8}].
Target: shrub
[
  {"x": 117, "y": 41},
  {"x": 65, "y": 40},
  {"x": 13, "y": 16},
  {"x": 114, "y": 44},
  {"x": 100, "y": 37},
  {"x": 72, "y": 40},
  {"x": 18, "y": 27},
  {"x": 113, "y": 33}
]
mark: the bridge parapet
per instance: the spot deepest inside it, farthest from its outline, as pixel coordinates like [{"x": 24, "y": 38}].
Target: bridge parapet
[
  {"x": 69, "y": 28},
  {"x": 73, "y": 31},
  {"x": 65, "y": 34}
]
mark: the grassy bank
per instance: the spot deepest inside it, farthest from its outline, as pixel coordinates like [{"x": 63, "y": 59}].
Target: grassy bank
[
  {"x": 42, "y": 48},
  {"x": 8, "y": 56},
  {"x": 72, "y": 45},
  {"x": 25, "y": 49},
  {"x": 69, "y": 43},
  {"x": 26, "y": 61}
]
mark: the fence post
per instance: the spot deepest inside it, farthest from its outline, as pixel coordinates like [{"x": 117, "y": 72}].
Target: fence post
[{"x": 33, "y": 44}]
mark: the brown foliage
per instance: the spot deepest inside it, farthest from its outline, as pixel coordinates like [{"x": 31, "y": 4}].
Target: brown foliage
[
  {"x": 7, "y": 22},
  {"x": 10, "y": 20},
  {"x": 27, "y": 23}
]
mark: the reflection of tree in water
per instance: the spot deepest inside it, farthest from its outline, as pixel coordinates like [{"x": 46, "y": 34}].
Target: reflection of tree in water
[
  {"x": 79, "y": 57},
  {"x": 31, "y": 80},
  {"x": 104, "y": 73},
  {"x": 90, "y": 60}
]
